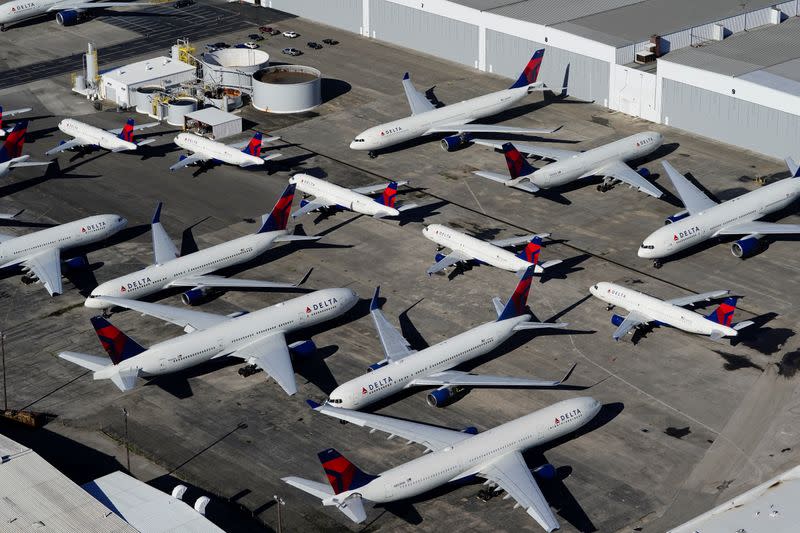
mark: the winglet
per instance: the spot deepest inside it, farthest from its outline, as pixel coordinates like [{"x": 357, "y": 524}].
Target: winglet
[
  {"x": 406, "y": 76},
  {"x": 157, "y": 214},
  {"x": 568, "y": 374},
  {"x": 373, "y": 305},
  {"x": 793, "y": 167},
  {"x": 314, "y": 405}
]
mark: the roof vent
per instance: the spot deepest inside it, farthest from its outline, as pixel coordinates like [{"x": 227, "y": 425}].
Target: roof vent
[{"x": 775, "y": 15}]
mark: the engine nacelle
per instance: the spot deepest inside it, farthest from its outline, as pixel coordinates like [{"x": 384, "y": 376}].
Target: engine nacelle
[
  {"x": 546, "y": 471},
  {"x": 376, "y": 366},
  {"x": 676, "y": 217},
  {"x": 470, "y": 430},
  {"x": 643, "y": 172},
  {"x": 68, "y": 17},
  {"x": 745, "y": 247},
  {"x": 195, "y": 296},
  {"x": 439, "y": 256},
  {"x": 303, "y": 348},
  {"x": 77, "y": 263},
  {"x": 617, "y": 320},
  {"x": 456, "y": 142},
  {"x": 440, "y": 397}
]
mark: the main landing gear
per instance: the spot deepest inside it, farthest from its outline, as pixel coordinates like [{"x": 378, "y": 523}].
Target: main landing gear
[
  {"x": 248, "y": 370},
  {"x": 606, "y": 186},
  {"x": 372, "y": 154}
]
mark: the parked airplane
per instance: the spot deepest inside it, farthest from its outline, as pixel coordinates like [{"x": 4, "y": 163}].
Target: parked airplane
[
  {"x": 171, "y": 270},
  {"x": 495, "y": 455},
  {"x": 5, "y": 130},
  {"x": 39, "y": 254},
  {"x": 644, "y": 309},
  {"x": 68, "y": 13},
  {"x": 327, "y": 196},
  {"x": 117, "y": 140},
  {"x": 704, "y": 218},
  {"x": 607, "y": 161},
  {"x": 468, "y": 249},
  {"x": 426, "y": 119},
  {"x": 257, "y": 337},
  {"x": 404, "y": 367},
  {"x": 11, "y": 152},
  {"x": 243, "y": 154}
]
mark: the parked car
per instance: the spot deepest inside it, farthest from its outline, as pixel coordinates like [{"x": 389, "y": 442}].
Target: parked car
[
  {"x": 221, "y": 45},
  {"x": 291, "y": 51},
  {"x": 210, "y": 48},
  {"x": 315, "y": 46},
  {"x": 250, "y": 45},
  {"x": 330, "y": 42},
  {"x": 291, "y": 34},
  {"x": 264, "y": 29},
  {"x": 274, "y": 31},
  {"x": 183, "y": 3},
  {"x": 255, "y": 37}
]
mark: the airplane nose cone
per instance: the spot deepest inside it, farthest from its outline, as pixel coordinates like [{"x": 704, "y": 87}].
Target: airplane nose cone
[
  {"x": 93, "y": 302},
  {"x": 353, "y": 145}
]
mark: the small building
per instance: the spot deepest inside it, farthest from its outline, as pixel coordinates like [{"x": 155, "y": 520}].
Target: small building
[
  {"x": 119, "y": 85},
  {"x": 213, "y": 123}
]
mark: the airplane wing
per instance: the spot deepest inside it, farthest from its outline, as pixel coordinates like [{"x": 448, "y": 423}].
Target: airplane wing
[
  {"x": 271, "y": 354},
  {"x": 633, "y": 319},
  {"x": 416, "y": 100},
  {"x": 487, "y": 128},
  {"x": 163, "y": 248},
  {"x": 619, "y": 170},
  {"x": 762, "y": 228},
  {"x": 693, "y": 198},
  {"x": 188, "y": 160},
  {"x": 395, "y": 346},
  {"x": 46, "y": 265},
  {"x": 515, "y": 241},
  {"x": 137, "y": 127},
  {"x": 310, "y": 206},
  {"x": 372, "y": 189},
  {"x": 66, "y": 145},
  {"x": 432, "y": 437},
  {"x": 694, "y": 298},
  {"x": 545, "y": 152},
  {"x": 464, "y": 379},
  {"x": 187, "y": 319},
  {"x": 512, "y": 474},
  {"x": 447, "y": 261},
  {"x": 220, "y": 281}
]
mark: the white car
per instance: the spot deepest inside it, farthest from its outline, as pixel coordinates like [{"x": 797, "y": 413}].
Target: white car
[
  {"x": 291, "y": 34},
  {"x": 250, "y": 45}
]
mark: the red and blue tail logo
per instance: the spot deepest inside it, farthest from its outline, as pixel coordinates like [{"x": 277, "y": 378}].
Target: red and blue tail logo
[
  {"x": 724, "y": 313},
  {"x": 279, "y": 217},
  {"x": 127, "y": 131},
  {"x": 531, "y": 251},
  {"x": 1, "y": 116},
  {"x": 117, "y": 345},
  {"x": 531, "y": 71},
  {"x": 519, "y": 300},
  {"x": 12, "y": 147},
  {"x": 518, "y": 166},
  {"x": 342, "y": 474},
  {"x": 389, "y": 195},
  {"x": 254, "y": 146}
]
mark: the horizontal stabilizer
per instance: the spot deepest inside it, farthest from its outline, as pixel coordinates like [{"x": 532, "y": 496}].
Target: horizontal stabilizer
[
  {"x": 144, "y": 142},
  {"x": 551, "y": 263},
  {"x": 8, "y": 216},
  {"x": 270, "y": 156},
  {"x": 526, "y": 186},
  {"x": 494, "y": 176},
  {"x": 743, "y": 324},
  {"x": 540, "y": 325},
  {"x": 319, "y": 490},
  {"x": 406, "y": 207},
  {"x": 90, "y": 362},
  {"x": 716, "y": 335},
  {"x": 125, "y": 380}
]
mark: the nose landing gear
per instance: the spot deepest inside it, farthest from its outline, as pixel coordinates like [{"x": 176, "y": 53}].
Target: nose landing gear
[{"x": 372, "y": 154}]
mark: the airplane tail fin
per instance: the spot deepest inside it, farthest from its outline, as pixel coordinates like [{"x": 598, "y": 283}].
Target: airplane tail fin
[
  {"x": 127, "y": 131},
  {"x": 389, "y": 195},
  {"x": 531, "y": 71},
  {"x": 279, "y": 216},
  {"x": 519, "y": 300},
  {"x": 724, "y": 313},
  {"x": 117, "y": 345},
  {"x": 342, "y": 474},
  {"x": 794, "y": 168},
  {"x": 531, "y": 251},
  {"x": 12, "y": 147},
  {"x": 1, "y": 117},
  {"x": 254, "y": 146},
  {"x": 518, "y": 166}
]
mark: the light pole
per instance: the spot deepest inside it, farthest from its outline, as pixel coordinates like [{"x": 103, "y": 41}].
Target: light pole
[
  {"x": 3, "y": 350},
  {"x": 127, "y": 444},
  {"x": 281, "y": 502}
]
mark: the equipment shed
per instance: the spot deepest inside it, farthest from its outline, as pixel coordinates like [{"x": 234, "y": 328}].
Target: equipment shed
[
  {"x": 213, "y": 123},
  {"x": 119, "y": 85}
]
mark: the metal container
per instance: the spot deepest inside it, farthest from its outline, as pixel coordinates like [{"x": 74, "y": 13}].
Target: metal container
[
  {"x": 143, "y": 98},
  {"x": 178, "y": 108},
  {"x": 287, "y": 89},
  {"x": 233, "y": 67},
  {"x": 80, "y": 83}
]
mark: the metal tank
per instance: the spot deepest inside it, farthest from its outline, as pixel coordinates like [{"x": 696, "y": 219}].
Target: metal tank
[
  {"x": 143, "y": 98},
  {"x": 233, "y": 67},
  {"x": 287, "y": 89},
  {"x": 178, "y": 108}
]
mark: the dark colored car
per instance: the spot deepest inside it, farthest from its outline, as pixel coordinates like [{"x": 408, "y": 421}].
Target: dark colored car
[
  {"x": 221, "y": 45},
  {"x": 183, "y": 3},
  {"x": 330, "y": 42},
  {"x": 255, "y": 37},
  {"x": 315, "y": 46}
]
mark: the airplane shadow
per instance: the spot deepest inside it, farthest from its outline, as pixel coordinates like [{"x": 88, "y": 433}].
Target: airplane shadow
[{"x": 564, "y": 268}]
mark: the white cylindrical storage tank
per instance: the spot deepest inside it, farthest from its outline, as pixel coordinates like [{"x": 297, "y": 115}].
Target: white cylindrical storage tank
[
  {"x": 287, "y": 89},
  {"x": 91, "y": 64},
  {"x": 233, "y": 67},
  {"x": 178, "y": 108},
  {"x": 227, "y": 99},
  {"x": 143, "y": 98},
  {"x": 80, "y": 83}
]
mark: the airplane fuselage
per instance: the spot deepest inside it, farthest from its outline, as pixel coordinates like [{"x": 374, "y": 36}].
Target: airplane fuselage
[
  {"x": 405, "y": 129},
  {"x": 395, "y": 376},
  {"x": 19, "y": 10},
  {"x": 341, "y": 196},
  {"x": 476, "y": 248},
  {"x": 699, "y": 227},
  {"x": 92, "y": 135},
  {"x": 215, "y": 150}
]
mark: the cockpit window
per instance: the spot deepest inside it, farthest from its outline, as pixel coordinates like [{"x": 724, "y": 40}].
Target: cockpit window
[
  {"x": 648, "y": 246},
  {"x": 358, "y": 140}
]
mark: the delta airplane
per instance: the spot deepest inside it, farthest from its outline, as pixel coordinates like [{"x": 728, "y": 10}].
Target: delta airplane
[
  {"x": 404, "y": 367},
  {"x": 86, "y": 135},
  {"x": 468, "y": 249},
  {"x": 644, "y": 309},
  {"x": 426, "y": 118},
  {"x": 327, "y": 196},
  {"x": 171, "y": 270},
  {"x": 243, "y": 154},
  {"x": 257, "y": 337},
  {"x": 495, "y": 455},
  {"x": 11, "y": 152},
  {"x": 704, "y": 218},
  {"x": 5, "y": 130},
  {"x": 607, "y": 161},
  {"x": 39, "y": 254},
  {"x": 68, "y": 12}
]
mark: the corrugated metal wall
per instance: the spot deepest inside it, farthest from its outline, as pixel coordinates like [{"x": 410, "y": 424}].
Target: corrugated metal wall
[
  {"x": 344, "y": 14},
  {"x": 425, "y": 32},
  {"x": 506, "y": 55},
  {"x": 729, "y": 119}
]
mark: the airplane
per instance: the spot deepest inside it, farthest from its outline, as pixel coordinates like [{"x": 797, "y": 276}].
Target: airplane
[
  {"x": 328, "y": 196},
  {"x": 38, "y": 254},
  {"x": 243, "y": 154},
  {"x": 426, "y": 119},
  {"x": 450, "y": 455},
  {"x": 11, "y": 152},
  {"x": 86, "y": 135},
  {"x": 170, "y": 269},
  {"x": 404, "y": 367},
  {"x": 607, "y": 161},
  {"x": 257, "y": 337},
  {"x": 5, "y": 130},
  {"x": 68, "y": 13},
  {"x": 704, "y": 218},
  {"x": 467, "y": 249},
  {"x": 644, "y": 309}
]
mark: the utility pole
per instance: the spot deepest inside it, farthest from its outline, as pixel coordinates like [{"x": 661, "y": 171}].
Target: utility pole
[
  {"x": 3, "y": 350},
  {"x": 281, "y": 502},
  {"x": 127, "y": 444}
]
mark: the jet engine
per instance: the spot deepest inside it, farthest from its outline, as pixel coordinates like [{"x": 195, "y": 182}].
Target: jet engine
[
  {"x": 68, "y": 17},
  {"x": 195, "y": 296},
  {"x": 746, "y": 247},
  {"x": 304, "y": 348},
  {"x": 546, "y": 471},
  {"x": 470, "y": 430},
  {"x": 676, "y": 217},
  {"x": 456, "y": 142},
  {"x": 77, "y": 263},
  {"x": 617, "y": 320},
  {"x": 643, "y": 172},
  {"x": 444, "y": 395}
]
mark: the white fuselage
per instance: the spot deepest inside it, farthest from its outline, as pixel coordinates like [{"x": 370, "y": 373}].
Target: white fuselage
[
  {"x": 92, "y": 135},
  {"x": 341, "y": 196},
  {"x": 215, "y": 150},
  {"x": 19, "y": 10},
  {"x": 78, "y": 233},
  {"x": 158, "y": 277},
  {"x": 476, "y": 248},
  {"x": 468, "y": 456},
  {"x": 704, "y": 225},
  {"x": 194, "y": 348},
  {"x": 569, "y": 169},
  {"x": 408, "y": 128},
  {"x": 658, "y": 310},
  {"x": 395, "y": 376}
]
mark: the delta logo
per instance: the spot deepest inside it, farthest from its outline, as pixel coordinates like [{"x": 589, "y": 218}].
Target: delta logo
[
  {"x": 122, "y": 289},
  {"x": 22, "y": 7},
  {"x": 567, "y": 416},
  {"x": 363, "y": 390},
  {"x": 139, "y": 283},
  {"x": 686, "y": 233},
  {"x": 321, "y": 305},
  {"x": 93, "y": 227},
  {"x": 377, "y": 385}
]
